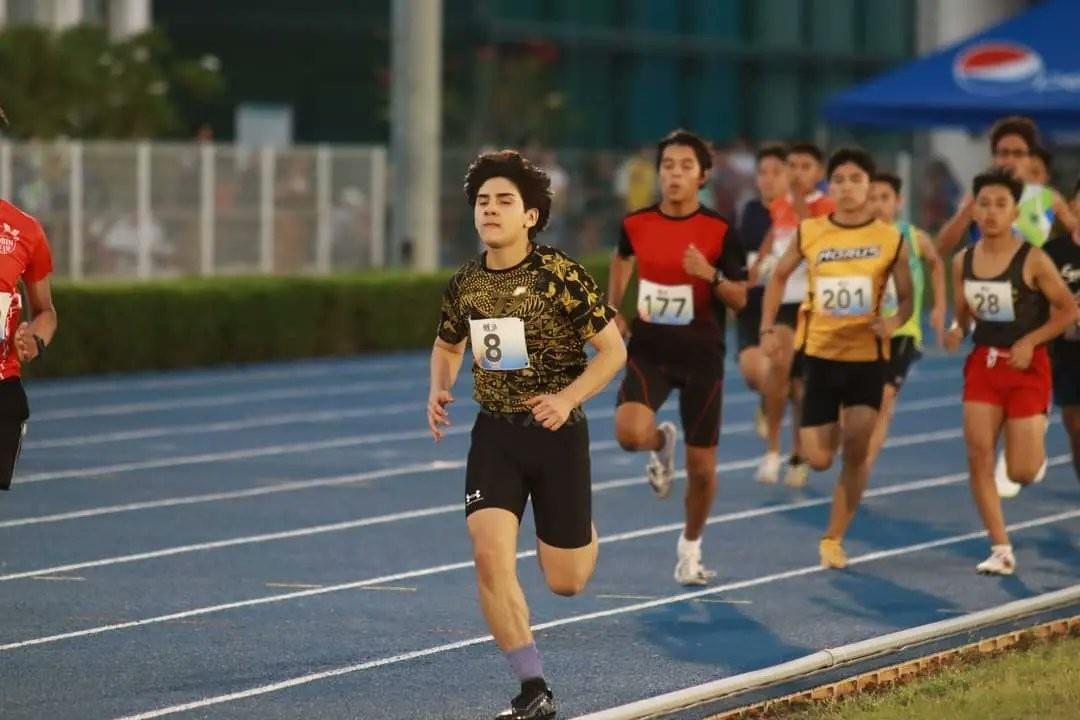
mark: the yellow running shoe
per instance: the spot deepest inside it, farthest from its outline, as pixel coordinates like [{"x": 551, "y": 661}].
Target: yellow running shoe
[{"x": 832, "y": 554}]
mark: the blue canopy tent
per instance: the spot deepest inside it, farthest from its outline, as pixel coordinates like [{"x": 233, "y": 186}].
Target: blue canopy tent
[{"x": 1028, "y": 65}]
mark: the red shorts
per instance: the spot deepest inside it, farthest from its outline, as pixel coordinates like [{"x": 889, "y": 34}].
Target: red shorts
[{"x": 1022, "y": 393}]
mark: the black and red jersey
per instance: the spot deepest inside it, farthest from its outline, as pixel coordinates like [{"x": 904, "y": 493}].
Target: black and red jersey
[{"x": 659, "y": 241}]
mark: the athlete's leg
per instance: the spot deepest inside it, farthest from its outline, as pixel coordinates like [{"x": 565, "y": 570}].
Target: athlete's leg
[
  {"x": 1070, "y": 418},
  {"x": 859, "y": 424},
  {"x": 494, "y": 534},
  {"x": 1025, "y": 447},
  {"x": 982, "y": 425},
  {"x": 881, "y": 427}
]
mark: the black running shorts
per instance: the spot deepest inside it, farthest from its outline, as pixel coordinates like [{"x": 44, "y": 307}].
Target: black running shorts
[
  {"x": 513, "y": 458},
  {"x": 14, "y": 412},
  {"x": 651, "y": 375},
  {"x": 832, "y": 384},
  {"x": 902, "y": 356}
]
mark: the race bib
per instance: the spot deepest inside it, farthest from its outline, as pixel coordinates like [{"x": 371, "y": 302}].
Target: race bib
[
  {"x": 843, "y": 296},
  {"x": 665, "y": 304},
  {"x": 990, "y": 301},
  {"x": 6, "y": 302},
  {"x": 890, "y": 304},
  {"x": 499, "y": 343}
]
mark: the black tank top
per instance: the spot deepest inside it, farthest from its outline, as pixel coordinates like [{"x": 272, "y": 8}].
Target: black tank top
[{"x": 1005, "y": 307}]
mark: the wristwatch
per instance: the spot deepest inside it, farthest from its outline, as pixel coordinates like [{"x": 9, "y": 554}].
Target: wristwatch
[
  {"x": 718, "y": 277},
  {"x": 40, "y": 345}
]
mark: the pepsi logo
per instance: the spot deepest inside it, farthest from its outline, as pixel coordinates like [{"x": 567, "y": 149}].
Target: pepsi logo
[{"x": 997, "y": 68}]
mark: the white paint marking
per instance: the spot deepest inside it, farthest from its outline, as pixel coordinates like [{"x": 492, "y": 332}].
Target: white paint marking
[
  {"x": 585, "y": 617},
  {"x": 451, "y": 567}
]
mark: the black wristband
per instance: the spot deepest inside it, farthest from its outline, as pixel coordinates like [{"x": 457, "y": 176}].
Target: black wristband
[{"x": 40, "y": 345}]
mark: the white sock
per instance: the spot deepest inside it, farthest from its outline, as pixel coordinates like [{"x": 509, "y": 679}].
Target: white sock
[
  {"x": 686, "y": 547},
  {"x": 1001, "y": 548}
]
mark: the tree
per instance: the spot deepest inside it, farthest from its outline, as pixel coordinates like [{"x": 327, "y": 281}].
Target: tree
[{"x": 79, "y": 83}]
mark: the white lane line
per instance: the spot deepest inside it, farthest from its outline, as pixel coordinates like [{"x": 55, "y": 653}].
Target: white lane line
[
  {"x": 898, "y": 489},
  {"x": 360, "y": 440},
  {"x": 61, "y": 578},
  {"x": 299, "y": 485},
  {"x": 221, "y": 427},
  {"x": 291, "y": 486},
  {"x": 293, "y": 586},
  {"x": 61, "y": 388},
  {"x": 220, "y": 400},
  {"x": 584, "y": 617}
]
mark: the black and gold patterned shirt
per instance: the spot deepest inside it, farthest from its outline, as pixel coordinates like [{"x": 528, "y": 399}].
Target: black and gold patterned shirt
[{"x": 561, "y": 309}]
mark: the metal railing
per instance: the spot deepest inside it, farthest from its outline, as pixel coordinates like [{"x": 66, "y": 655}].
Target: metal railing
[{"x": 148, "y": 210}]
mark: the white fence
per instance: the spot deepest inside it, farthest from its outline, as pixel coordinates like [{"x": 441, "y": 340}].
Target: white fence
[{"x": 151, "y": 210}]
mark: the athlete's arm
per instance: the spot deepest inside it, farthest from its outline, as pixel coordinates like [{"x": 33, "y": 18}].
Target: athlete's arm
[
  {"x": 952, "y": 232},
  {"x": 936, "y": 267},
  {"x": 553, "y": 410},
  {"x": 1063, "y": 310},
  {"x": 622, "y": 267},
  {"x": 774, "y": 293},
  {"x": 761, "y": 261},
  {"x": 1064, "y": 213},
  {"x": 446, "y": 359},
  {"x": 961, "y": 312},
  {"x": 905, "y": 300},
  {"x": 43, "y": 322}
]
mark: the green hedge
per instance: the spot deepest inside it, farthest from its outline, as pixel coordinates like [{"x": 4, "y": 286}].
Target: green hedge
[{"x": 115, "y": 327}]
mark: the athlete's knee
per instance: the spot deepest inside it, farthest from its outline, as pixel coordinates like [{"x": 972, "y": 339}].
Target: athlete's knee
[
  {"x": 701, "y": 471},
  {"x": 635, "y": 436},
  {"x": 1023, "y": 471},
  {"x": 818, "y": 459},
  {"x": 492, "y": 567},
  {"x": 569, "y": 582}
]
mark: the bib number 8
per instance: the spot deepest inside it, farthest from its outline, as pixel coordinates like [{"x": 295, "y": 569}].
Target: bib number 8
[
  {"x": 492, "y": 351},
  {"x": 499, "y": 343}
]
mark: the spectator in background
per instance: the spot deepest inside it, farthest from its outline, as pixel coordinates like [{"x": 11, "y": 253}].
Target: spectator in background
[
  {"x": 939, "y": 197},
  {"x": 1040, "y": 166},
  {"x": 635, "y": 180}
]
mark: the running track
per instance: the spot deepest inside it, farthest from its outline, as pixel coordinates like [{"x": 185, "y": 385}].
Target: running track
[{"x": 286, "y": 541}]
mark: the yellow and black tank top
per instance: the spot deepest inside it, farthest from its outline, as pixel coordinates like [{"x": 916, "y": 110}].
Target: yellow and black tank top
[{"x": 848, "y": 268}]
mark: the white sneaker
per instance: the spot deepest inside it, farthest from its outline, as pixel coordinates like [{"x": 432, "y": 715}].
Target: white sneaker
[
  {"x": 689, "y": 570},
  {"x": 661, "y": 467},
  {"x": 768, "y": 471},
  {"x": 1006, "y": 488},
  {"x": 1001, "y": 562}
]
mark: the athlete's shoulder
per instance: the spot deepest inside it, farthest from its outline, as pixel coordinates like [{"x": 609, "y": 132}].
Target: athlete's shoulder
[
  {"x": 18, "y": 218},
  {"x": 555, "y": 260},
  {"x": 713, "y": 216},
  {"x": 642, "y": 215},
  {"x": 470, "y": 269},
  {"x": 816, "y": 224}
]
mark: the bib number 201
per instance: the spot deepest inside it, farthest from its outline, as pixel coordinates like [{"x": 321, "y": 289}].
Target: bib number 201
[
  {"x": 499, "y": 343},
  {"x": 843, "y": 295}
]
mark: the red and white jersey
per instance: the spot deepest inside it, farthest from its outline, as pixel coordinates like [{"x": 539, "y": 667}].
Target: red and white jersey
[{"x": 25, "y": 254}]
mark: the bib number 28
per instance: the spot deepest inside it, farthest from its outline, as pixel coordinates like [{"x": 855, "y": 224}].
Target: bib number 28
[
  {"x": 990, "y": 301},
  {"x": 499, "y": 343}
]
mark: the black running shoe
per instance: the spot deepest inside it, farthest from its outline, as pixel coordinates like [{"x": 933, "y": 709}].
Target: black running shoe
[{"x": 531, "y": 704}]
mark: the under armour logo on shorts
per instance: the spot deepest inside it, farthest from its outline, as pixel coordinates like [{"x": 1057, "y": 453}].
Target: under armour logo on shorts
[{"x": 472, "y": 497}]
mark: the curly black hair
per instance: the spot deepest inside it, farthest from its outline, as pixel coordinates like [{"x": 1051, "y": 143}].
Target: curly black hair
[{"x": 532, "y": 182}]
